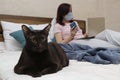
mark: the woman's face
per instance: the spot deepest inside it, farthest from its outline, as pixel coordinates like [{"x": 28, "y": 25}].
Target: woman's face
[{"x": 69, "y": 15}]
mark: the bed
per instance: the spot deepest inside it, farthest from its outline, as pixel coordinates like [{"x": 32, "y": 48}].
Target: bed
[{"x": 75, "y": 71}]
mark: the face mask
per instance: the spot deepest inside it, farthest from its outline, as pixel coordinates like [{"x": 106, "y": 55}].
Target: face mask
[{"x": 69, "y": 16}]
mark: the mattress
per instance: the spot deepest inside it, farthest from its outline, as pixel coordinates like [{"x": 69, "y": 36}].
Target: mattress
[
  {"x": 75, "y": 71},
  {"x": 95, "y": 43}
]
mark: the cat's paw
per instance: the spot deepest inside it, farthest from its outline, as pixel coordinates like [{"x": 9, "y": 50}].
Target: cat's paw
[{"x": 36, "y": 74}]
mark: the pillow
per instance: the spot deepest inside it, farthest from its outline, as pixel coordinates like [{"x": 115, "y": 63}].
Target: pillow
[
  {"x": 51, "y": 32},
  {"x": 111, "y": 36},
  {"x": 2, "y": 47},
  {"x": 9, "y": 27},
  {"x": 53, "y": 40},
  {"x": 19, "y": 36},
  {"x": 10, "y": 43},
  {"x": 101, "y": 35}
]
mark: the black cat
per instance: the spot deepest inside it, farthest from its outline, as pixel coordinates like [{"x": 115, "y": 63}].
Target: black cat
[{"x": 39, "y": 57}]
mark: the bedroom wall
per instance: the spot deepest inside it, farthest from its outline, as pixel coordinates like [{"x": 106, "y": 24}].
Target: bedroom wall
[
  {"x": 82, "y": 9},
  {"x": 112, "y": 14}
]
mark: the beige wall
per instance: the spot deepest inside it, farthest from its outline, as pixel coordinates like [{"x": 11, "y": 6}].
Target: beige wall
[
  {"x": 82, "y": 9},
  {"x": 48, "y": 8},
  {"x": 112, "y": 14}
]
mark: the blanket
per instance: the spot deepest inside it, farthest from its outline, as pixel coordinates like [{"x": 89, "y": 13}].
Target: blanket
[{"x": 99, "y": 55}]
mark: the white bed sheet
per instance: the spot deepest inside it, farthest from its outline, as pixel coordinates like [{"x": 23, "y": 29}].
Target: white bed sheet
[
  {"x": 2, "y": 47},
  {"x": 75, "y": 71},
  {"x": 95, "y": 43}
]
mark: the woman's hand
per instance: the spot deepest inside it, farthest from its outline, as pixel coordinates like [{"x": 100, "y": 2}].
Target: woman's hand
[
  {"x": 73, "y": 32},
  {"x": 86, "y": 35}
]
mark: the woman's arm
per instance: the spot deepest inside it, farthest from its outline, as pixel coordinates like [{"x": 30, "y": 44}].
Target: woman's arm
[
  {"x": 59, "y": 39},
  {"x": 79, "y": 29},
  {"x": 85, "y": 35}
]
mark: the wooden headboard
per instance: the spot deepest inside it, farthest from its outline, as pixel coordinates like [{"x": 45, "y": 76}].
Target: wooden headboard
[{"x": 31, "y": 20}]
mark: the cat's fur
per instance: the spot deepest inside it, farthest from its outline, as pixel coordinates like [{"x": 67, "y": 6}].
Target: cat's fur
[{"x": 39, "y": 57}]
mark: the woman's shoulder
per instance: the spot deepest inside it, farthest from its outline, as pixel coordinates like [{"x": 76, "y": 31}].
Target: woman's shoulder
[{"x": 58, "y": 25}]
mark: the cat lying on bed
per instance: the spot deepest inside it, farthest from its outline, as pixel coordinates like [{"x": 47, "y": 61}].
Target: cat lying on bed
[{"x": 39, "y": 57}]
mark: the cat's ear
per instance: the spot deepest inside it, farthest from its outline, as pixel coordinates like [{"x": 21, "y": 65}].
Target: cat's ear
[
  {"x": 26, "y": 30},
  {"x": 47, "y": 29}
]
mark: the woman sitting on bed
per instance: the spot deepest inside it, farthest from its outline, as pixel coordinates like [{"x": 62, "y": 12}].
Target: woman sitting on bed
[{"x": 62, "y": 30}]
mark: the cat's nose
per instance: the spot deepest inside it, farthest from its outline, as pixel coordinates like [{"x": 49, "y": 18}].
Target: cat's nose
[{"x": 39, "y": 45}]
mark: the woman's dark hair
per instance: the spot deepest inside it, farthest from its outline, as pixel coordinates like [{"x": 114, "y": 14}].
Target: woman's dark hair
[{"x": 63, "y": 9}]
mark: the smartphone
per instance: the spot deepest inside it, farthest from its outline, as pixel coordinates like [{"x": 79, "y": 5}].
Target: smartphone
[{"x": 73, "y": 25}]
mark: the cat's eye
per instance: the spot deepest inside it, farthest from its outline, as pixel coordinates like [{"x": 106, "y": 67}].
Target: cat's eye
[
  {"x": 33, "y": 40},
  {"x": 43, "y": 39}
]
